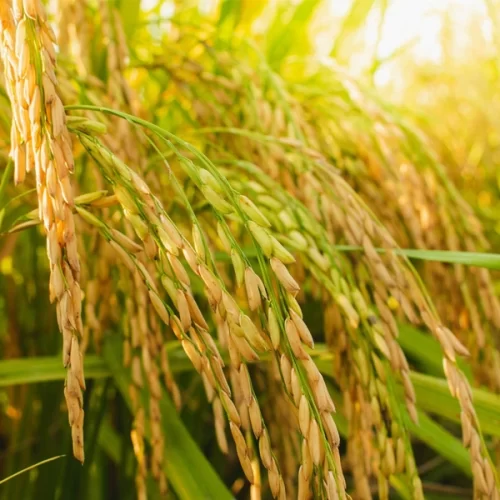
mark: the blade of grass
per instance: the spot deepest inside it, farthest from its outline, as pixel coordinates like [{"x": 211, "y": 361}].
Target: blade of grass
[
  {"x": 488, "y": 260},
  {"x": 478, "y": 259},
  {"x": 109, "y": 442},
  {"x": 49, "y": 368},
  {"x": 45, "y": 369},
  {"x": 6, "y": 178},
  {"x": 31, "y": 467},
  {"x": 441, "y": 441},
  {"x": 434, "y": 397}
]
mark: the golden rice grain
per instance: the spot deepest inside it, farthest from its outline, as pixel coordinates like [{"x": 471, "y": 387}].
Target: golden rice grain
[
  {"x": 284, "y": 276},
  {"x": 265, "y": 450},
  {"x": 252, "y": 289},
  {"x": 294, "y": 339}
]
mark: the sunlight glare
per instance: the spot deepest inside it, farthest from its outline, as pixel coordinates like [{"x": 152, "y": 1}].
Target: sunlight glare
[{"x": 415, "y": 22}]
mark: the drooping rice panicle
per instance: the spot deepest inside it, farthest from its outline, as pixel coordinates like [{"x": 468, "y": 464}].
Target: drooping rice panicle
[{"x": 40, "y": 141}]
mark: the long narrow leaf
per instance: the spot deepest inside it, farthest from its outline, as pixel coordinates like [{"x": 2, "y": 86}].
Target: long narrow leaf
[
  {"x": 45, "y": 369},
  {"x": 31, "y": 467},
  {"x": 488, "y": 260}
]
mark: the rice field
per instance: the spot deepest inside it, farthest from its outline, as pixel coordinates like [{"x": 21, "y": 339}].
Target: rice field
[{"x": 232, "y": 268}]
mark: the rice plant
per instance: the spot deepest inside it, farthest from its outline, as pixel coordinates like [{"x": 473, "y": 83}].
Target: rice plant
[{"x": 264, "y": 283}]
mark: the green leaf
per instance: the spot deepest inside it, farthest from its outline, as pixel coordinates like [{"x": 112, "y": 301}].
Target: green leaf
[
  {"x": 488, "y": 260},
  {"x": 45, "y": 369},
  {"x": 441, "y": 441},
  {"x": 478, "y": 259},
  {"x": 433, "y": 395},
  {"x": 6, "y": 178},
  {"x": 110, "y": 442}
]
